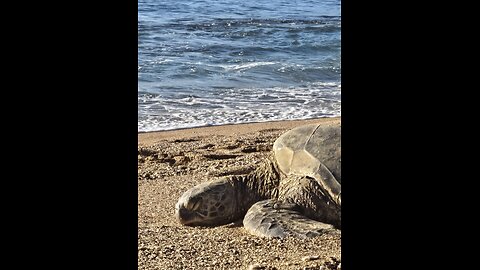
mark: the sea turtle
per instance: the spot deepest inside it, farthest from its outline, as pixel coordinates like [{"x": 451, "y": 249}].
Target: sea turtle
[{"x": 295, "y": 192}]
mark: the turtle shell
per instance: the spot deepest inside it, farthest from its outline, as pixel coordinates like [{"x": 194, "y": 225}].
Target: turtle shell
[{"x": 311, "y": 150}]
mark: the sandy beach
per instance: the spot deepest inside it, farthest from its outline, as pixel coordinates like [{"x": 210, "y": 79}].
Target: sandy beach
[{"x": 170, "y": 162}]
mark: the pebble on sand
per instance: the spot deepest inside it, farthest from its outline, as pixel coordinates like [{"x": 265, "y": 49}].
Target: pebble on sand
[
  {"x": 310, "y": 258},
  {"x": 256, "y": 267}
]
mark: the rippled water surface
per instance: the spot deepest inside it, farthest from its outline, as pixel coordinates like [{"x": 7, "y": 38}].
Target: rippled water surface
[{"x": 218, "y": 62}]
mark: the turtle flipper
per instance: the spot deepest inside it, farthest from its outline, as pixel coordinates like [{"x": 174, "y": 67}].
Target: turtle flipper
[{"x": 271, "y": 218}]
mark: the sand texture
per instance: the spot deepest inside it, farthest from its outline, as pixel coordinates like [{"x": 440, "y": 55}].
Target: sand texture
[{"x": 171, "y": 162}]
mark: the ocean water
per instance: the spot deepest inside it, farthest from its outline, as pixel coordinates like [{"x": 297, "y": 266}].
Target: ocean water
[{"x": 219, "y": 62}]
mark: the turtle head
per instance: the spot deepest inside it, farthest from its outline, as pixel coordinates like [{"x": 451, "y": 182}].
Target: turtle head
[{"x": 207, "y": 204}]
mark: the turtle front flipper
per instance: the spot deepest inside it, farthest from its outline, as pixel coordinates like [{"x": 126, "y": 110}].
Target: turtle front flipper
[{"x": 271, "y": 218}]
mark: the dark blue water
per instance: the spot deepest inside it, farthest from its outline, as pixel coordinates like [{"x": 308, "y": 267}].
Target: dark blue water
[{"x": 218, "y": 62}]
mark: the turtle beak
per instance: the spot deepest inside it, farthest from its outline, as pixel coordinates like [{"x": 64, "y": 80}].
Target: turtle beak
[
  {"x": 184, "y": 215},
  {"x": 181, "y": 213}
]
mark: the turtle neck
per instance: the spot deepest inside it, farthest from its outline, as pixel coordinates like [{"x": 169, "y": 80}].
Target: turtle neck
[{"x": 258, "y": 185}]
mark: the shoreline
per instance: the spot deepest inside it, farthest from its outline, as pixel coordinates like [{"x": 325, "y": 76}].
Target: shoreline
[
  {"x": 246, "y": 123},
  {"x": 148, "y": 137}
]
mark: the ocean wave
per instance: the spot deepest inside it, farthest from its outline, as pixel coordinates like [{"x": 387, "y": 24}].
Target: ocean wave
[
  {"x": 236, "y": 61},
  {"x": 229, "y": 23},
  {"x": 246, "y": 65},
  {"x": 229, "y": 106}
]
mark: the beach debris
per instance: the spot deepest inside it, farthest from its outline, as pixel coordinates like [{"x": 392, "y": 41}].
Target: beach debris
[
  {"x": 256, "y": 266},
  {"x": 261, "y": 266},
  {"x": 310, "y": 258},
  {"x": 146, "y": 152},
  {"x": 333, "y": 263},
  {"x": 181, "y": 160}
]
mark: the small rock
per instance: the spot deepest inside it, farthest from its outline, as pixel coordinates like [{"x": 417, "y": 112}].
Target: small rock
[
  {"x": 310, "y": 258},
  {"x": 205, "y": 146},
  {"x": 181, "y": 160},
  {"x": 255, "y": 267}
]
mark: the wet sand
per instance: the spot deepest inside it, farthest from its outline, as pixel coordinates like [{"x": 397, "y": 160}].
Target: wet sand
[{"x": 170, "y": 162}]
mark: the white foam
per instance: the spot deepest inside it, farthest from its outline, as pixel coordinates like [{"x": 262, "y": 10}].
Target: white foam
[
  {"x": 161, "y": 61},
  {"x": 246, "y": 66},
  {"x": 320, "y": 99}
]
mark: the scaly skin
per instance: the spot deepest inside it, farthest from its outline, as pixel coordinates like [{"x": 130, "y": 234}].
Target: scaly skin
[
  {"x": 291, "y": 193},
  {"x": 226, "y": 200}
]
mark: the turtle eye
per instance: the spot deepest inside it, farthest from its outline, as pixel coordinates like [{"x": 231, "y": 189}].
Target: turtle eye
[{"x": 193, "y": 204}]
